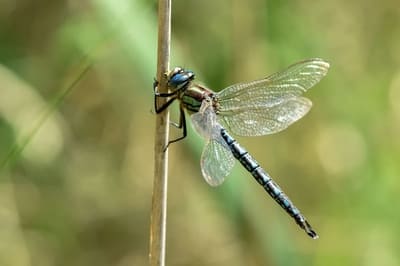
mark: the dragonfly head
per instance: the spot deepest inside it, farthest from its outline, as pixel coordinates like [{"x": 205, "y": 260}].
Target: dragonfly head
[{"x": 180, "y": 78}]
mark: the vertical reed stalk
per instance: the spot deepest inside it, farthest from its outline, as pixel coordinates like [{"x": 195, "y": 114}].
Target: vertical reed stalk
[{"x": 159, "y": 201}]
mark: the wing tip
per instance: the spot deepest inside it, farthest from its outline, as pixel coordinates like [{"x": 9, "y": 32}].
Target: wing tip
[{"x": 321, "y": 63}]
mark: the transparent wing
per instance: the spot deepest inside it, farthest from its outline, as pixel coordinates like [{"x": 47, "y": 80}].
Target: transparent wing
[
  {"x": 216, "y": 160},
  {"x": 262, "y": 120},
  {"x": 269, "y": 105}
]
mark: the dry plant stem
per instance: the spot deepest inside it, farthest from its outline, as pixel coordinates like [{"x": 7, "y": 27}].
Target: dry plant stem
[{"x": 159, "y": 201}]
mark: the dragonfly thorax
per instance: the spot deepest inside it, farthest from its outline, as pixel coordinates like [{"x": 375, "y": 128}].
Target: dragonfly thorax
[{"x": 194, "y": 95}]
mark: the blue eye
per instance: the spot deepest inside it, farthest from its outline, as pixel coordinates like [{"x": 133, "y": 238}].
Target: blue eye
[{"x": 181, "y": 78}]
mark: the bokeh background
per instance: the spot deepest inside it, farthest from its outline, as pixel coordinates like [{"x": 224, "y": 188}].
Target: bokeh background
[{"x": 77, "y": 167}]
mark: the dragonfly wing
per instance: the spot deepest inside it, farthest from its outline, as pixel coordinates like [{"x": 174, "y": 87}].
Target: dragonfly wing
[
  {"x": 271, "y": 104},
  {"x": 262, "y": 120},
  {"x": 216, "y": 160}
]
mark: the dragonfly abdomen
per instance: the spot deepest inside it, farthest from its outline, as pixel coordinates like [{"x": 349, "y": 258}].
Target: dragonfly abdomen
[{"x": 266, "y": 182}]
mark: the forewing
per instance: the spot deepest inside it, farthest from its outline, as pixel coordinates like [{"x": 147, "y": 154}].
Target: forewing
[
  {"x": 269, "y": 105},
  {"x": 216, "y": 162}
]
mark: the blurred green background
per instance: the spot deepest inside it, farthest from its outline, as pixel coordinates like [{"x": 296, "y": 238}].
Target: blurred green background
[{"x": 80, "y": 192}]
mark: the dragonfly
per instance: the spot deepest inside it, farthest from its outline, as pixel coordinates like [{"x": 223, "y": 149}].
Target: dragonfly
[{"x": 261, "y": 107}]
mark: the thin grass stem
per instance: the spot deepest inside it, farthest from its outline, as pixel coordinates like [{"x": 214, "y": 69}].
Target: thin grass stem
[{"x": 159, "y": 200}]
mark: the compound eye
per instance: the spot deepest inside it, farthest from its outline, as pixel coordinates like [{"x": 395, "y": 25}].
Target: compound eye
[{"x": 178, "y": 79}]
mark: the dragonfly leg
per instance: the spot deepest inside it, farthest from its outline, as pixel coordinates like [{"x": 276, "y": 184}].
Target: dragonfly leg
[
  {"x": 182, "y": 124},
  {"x": 165, "y": 106},
  {"x": 161, "y": 108},
  {"x": 157, "y": 94}
]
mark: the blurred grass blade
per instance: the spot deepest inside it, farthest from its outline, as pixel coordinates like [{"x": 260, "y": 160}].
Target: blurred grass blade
[{"x": 47, "y": 109}]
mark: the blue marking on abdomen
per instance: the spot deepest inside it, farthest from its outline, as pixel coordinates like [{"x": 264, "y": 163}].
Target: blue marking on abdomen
[{"x": 266, "y": 182}]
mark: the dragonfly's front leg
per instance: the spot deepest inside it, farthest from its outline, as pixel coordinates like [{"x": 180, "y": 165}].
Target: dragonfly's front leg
[
  {"x": 157, "y": 95},
  {"x": 159, "y": 109},
  {"x": 182, "y": 124}
]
